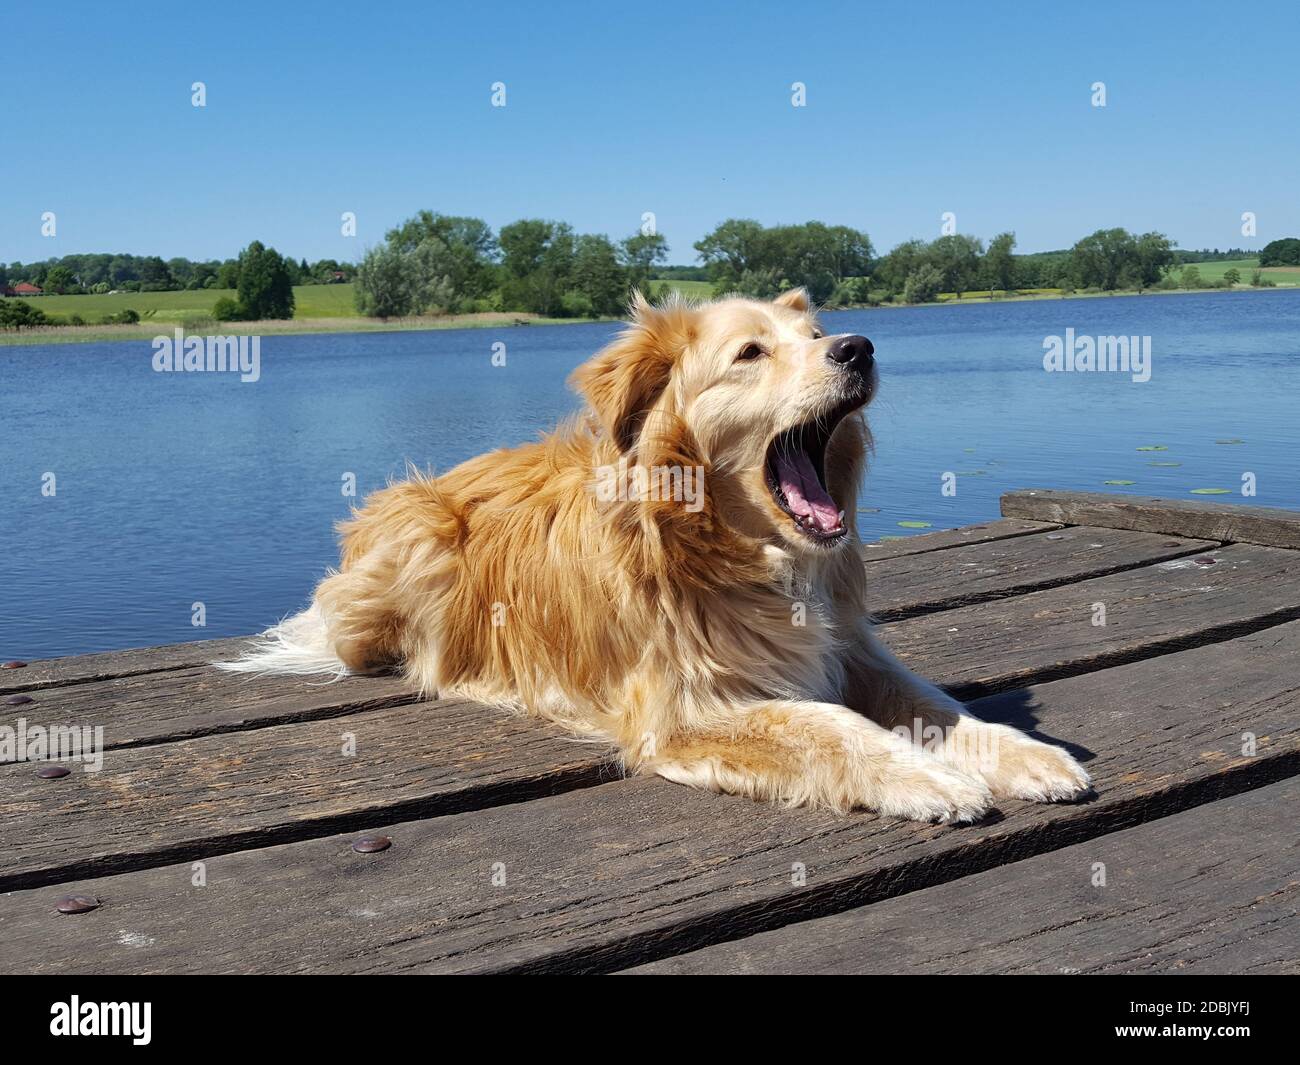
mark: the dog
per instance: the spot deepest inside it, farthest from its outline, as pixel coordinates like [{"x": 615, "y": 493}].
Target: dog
[{"x": 674, "y": 571}]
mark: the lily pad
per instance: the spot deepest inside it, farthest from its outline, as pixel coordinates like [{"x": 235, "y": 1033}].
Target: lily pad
[
  {"x": 1119, "y": 482},
  {"x": 915, "y": 525},
  {"x": 1164, "y": 463},
  {"x": 1233, "y": 440},
  {"x": 1211, "y": 491},
  {"x": 1154, "y": 447}
]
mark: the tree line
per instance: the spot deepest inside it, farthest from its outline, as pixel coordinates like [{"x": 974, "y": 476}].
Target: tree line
[
  {"x": 439, "y": 264},
  {"x": 436, "y": 263},
  {"x": 263, "y": 281},
  {"x": 98, "y": 273},
  {"x": 1285, "y": 252}
]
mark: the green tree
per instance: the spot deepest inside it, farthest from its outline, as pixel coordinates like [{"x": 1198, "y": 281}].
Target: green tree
[
  {"x": 204, "y": 275},
  {"x": 464, "y": 249},
  {"x": 228, "y": 274},
  {"x": 1232, "y": 275},
  {"x": 851, "y": 292},
  {"x": 999, "y": 264},
  {"x": 1095, "y": 261},
  {"x": 599, "y": 276},
  {"x": 895, "y": 268},
  {"x": 640, "y": 254},
  {"x": 1284, "y": 252},
  {"x": 1154, "y": 255},
  {"x": 122, "y": 269},
  {"x": 181, "y": 272},
  {"x": 730, "y": 249},
  {"x": 741, "y": 256},
  {"x": 265, "y": 288},
  {"x": 1113, "y": 258},
  {"x": 386, "y": 285},
  {"x": 154, "y": 275},
  {"x": 19, "y": 314},
  {"x": 226, "y": 310},
  {"x": 1191, "y": 277},
  {"x": 957, "y": 258},
  {"x": 537, "y": 260},
  {"x": 59, "y": 279},
  {"x": 924, "y": 284}
]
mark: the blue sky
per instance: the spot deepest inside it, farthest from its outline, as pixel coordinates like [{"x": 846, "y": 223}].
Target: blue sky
[{"x": 613, "y": 110}]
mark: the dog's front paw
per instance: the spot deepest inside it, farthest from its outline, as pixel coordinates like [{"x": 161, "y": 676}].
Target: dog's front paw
[
  {"x": 1037, "y": 772},
  {"x": 923, "y": 788}
]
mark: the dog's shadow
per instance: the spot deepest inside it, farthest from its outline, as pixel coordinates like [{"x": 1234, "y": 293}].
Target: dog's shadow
[{"x": 1020, "y": 709}]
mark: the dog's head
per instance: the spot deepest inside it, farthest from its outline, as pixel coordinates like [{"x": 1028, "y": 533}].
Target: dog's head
[{"x": 769, "y": 403}]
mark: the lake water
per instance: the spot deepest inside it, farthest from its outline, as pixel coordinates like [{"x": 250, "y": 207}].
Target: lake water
[{"x": 173, "y": 489}]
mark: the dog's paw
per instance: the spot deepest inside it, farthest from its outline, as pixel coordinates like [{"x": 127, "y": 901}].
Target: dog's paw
[
  {"x": 1037, "y": 772},
  {"x": 926, "y": 789}
]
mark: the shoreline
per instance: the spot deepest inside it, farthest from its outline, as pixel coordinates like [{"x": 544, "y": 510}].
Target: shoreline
[{"x": 96, "y": 334}]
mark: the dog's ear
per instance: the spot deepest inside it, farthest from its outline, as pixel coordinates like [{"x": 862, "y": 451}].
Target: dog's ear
[
  {"x": 623, "y": 381},
  {"x": 796, "y": 299}
]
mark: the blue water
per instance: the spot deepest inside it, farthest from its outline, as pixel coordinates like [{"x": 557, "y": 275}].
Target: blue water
[{"x": 173, "y": 489}]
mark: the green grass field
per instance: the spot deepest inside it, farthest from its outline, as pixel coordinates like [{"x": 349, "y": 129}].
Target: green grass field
[
  {"x": 311, "y": 301},
  {"x": 700, "y": 290},
  {"x": 1281, "y": 275}
]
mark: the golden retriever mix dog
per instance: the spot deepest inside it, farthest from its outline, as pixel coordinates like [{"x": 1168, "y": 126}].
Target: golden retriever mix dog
[{"x": 674, "y": 571}]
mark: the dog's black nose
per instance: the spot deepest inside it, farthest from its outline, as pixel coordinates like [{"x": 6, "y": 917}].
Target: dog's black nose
[{"x": 854, "y": 352}]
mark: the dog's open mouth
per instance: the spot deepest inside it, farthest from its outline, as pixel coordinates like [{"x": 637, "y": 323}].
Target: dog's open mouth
[{"x": 796, "y": 476}]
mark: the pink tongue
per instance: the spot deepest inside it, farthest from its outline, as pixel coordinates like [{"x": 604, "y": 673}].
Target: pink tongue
[{"x": 804, "y": 493}]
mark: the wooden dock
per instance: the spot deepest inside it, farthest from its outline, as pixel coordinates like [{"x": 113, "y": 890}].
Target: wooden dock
[{"x": 219, "y": 834}]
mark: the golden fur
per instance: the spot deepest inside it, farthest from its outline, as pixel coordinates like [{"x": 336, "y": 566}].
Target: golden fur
[{"x": 713, "y": 643}]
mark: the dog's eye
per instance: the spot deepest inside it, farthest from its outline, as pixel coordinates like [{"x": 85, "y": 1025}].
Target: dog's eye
[
  {"x": 818, "y": 334},
  {"x": 749, "y": 352}
]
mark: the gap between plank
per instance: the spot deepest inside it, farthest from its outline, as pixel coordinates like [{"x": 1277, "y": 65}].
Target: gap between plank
[
  {"x": 504, "y": 793},
  {"x": 1046, "y": 527},
  {"x": 885, "y": 617},
  {"x": 1108, "y": 660}
]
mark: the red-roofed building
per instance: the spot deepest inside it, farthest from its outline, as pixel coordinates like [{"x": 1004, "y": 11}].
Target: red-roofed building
[{"x": 23, "y": 288}]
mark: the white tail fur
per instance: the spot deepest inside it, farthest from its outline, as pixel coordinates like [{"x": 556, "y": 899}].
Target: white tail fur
[{"x": 298, "y": 645}]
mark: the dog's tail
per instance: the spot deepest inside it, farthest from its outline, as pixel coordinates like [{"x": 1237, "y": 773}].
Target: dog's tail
[{"x": 299, "y": 645}]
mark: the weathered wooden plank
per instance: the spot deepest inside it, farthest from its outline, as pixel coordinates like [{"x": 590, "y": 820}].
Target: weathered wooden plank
[
  {"x": 1226, "y": 522},
  {"x": 941, "y": 580},
  {"x": 144, "y": 708},
  {"x": 88, "y": 821},
  {"x": 985, "y": 532},
  {"x": 149, "y": 805},
  {"x": 76, "y": 669},
  {"x": 1045, "y": 635},
  {"x": 635, "y": 870},
  {"x": 1211, "y": 890}
]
